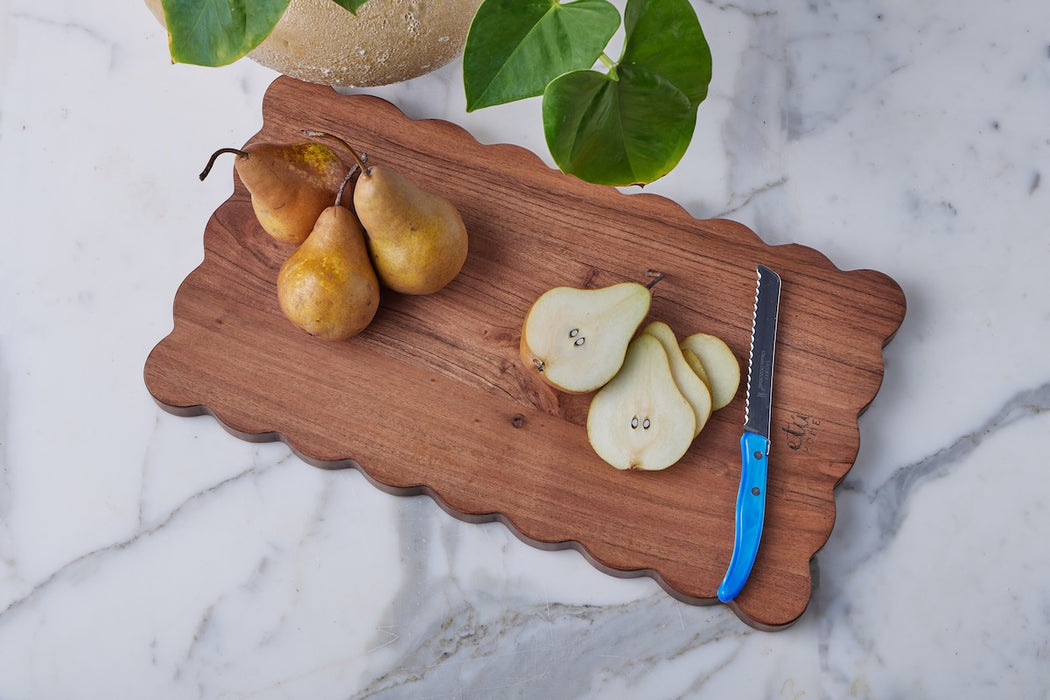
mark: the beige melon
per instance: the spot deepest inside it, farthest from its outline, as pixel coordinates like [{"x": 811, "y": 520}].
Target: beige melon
[{"x": 387, "y": 41}]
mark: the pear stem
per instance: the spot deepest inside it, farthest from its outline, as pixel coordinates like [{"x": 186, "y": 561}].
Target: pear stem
[
  {"x": 656, "y": 277},
  {"x": 211, "y": 161},
  {"x": 342, "y": 186},
  {"x": 326, "y": 135}
]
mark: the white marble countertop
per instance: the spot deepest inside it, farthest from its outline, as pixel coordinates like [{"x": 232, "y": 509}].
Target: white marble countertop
[{"x": 146, "y": 555}]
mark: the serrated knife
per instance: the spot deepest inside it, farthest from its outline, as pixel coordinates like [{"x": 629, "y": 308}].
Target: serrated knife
[{"x": 754, "y": 443}]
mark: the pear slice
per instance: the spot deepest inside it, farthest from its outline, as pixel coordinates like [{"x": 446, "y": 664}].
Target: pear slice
[
  {"x": 719, "y": 363},
  {"x": 689, "y": 382},
  {"x": 696, "y": 365},
  {"x": 640, "y": 419},
  {"x": 576, "y": 338}
]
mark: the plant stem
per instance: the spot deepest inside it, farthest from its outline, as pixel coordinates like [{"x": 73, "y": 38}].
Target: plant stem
[{"x": 610, "y": 64}]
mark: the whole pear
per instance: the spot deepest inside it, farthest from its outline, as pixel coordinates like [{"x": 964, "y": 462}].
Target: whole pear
[
  {"x": 327, "y": 286},
  {"x": 290, "y": 184},
  {"x": 417, "y": 239}
]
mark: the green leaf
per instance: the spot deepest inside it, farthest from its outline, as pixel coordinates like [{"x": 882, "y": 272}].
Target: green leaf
[
  {"x": 664, "y": 37},
  {"x": 514, "y": 48},
  {"x": 218, "y": 32},
  {"x": 350, "y": 5},
  {"x": 633, "y": 125},
  {"x": 616, "y": 132}
]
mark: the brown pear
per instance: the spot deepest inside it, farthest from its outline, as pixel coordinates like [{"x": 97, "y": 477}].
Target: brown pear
[
  {"x": 290, "y": 184},
  {"x": 327, "y": 286},
  {"x": 416, "y": 238}
]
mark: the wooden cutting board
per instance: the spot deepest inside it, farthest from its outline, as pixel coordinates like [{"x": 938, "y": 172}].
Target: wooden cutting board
[{"x": 433, "y": 398}]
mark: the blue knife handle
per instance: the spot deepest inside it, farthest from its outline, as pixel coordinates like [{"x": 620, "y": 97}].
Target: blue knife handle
[{"x": 750, "y": 512}]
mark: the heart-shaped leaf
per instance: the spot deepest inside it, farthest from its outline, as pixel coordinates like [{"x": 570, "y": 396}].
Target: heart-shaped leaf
[
  {"x": 514, "y": 48},
  {"x": 616, "y": 132},
  {"x": 218, "y": 32},
  {"x": 632, "y": 125},
  {"x": 664, "y": 37}
]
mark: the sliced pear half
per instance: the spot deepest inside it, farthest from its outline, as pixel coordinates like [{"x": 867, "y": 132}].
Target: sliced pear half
[
  {"x": 697, "y": 366},
  {"x": 720, "y": 365},
  {"x": 577, "y": 338},
  {"x": 640, "y": 419},
  {"x": 689, "y": 382}
]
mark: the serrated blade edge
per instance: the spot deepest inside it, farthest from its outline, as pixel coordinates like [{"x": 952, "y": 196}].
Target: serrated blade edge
[{"x": 758, "y": 406}]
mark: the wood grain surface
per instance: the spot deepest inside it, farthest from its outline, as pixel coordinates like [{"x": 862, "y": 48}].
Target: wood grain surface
[{"x": 433, "y": 398}]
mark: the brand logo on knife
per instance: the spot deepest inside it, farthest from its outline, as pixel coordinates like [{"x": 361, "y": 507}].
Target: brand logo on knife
[{"x": 765, "y": 371}]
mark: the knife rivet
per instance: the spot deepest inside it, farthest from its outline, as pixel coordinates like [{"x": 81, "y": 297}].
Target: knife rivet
[
  {"x": 758, "y": 454},
  {"x": 755, "y": 491}
]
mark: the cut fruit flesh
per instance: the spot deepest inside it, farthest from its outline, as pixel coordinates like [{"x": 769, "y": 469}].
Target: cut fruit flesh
[
  {"x": 577, "y": 338},
  {"x": 720, "y": 364},
  {"x": 640, "y": 419},
  {"x": 689, "y": 382},
  {"x": 697, "y": 366}
]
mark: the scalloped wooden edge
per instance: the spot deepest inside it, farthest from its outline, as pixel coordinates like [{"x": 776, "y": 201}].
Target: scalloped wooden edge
[{"x": 529, "y": 159}]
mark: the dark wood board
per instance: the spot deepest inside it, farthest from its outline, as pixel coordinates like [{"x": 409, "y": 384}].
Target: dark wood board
[{"x": 433, "y": 398}]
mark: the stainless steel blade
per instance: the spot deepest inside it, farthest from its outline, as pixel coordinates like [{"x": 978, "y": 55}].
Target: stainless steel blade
[{"x": 760, "y": 363}]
